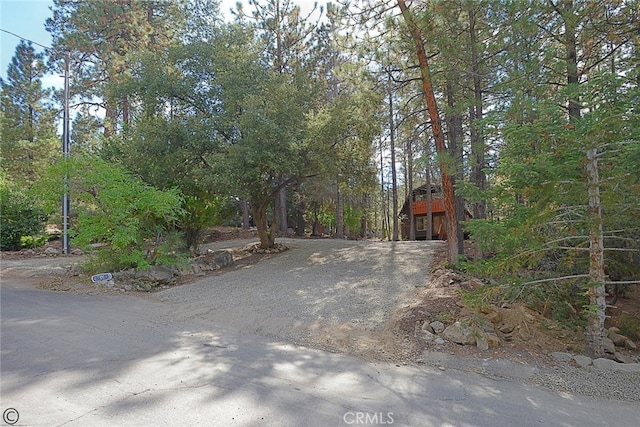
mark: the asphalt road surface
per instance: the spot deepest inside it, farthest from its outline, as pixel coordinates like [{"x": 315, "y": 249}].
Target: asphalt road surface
[{"x": 100, "y": 360}]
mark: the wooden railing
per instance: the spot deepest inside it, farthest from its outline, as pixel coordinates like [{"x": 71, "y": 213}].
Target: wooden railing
[{"x": 420, "y": 207}]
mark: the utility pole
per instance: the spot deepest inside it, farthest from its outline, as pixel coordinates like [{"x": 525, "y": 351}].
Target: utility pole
[{"x": 65, "y": 152}]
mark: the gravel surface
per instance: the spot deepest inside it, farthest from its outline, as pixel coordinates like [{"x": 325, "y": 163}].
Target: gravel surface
[
  {"x": 589, "y": 381},
  {"x": 316, "y": 287},
  {"x": 562, "y": 378}
]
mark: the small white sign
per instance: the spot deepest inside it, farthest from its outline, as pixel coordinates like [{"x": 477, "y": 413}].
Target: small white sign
[{"x": 101, "y": 277}]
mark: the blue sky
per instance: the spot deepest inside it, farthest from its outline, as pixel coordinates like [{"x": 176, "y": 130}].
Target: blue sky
[{"x": 25, "y": 18}]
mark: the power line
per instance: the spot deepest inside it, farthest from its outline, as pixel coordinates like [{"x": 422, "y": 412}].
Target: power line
[{"x": 24, "y": 38}]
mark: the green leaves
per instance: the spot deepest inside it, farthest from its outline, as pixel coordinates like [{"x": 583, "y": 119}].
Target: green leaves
[
  {"x": 114, "y": 207},
  {"x": 20, "y": 216}
]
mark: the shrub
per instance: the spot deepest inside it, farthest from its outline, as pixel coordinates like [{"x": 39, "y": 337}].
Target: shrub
[
  {"x": 117, "y": 209},
  {"x": 20, "y": 217}
]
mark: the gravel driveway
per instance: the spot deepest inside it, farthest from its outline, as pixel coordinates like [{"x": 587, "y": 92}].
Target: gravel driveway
[{"x": 335, "y": 294}]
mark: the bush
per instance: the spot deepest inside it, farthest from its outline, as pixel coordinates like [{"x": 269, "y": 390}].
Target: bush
[
  {"x": 19, "y": 217},
  {"x": 117, "y": 209}
]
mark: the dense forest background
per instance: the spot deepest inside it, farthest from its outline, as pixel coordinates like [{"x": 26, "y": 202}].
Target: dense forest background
[{"x": 524, "y": 112}]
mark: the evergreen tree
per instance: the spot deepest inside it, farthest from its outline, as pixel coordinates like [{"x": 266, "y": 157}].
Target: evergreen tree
[
  {"x": 28, "y": 119},
  {"x": 103, "y": 38}
]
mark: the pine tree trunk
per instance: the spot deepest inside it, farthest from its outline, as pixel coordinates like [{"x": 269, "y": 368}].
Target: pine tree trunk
[
  {"x": 454, "y": 132},
  {"x": 596, "y": 292},
  {"x": 300, "y": 218},
  {"x": 596, "y": 258},
  {"x": 110, "y": 119},
  {"x": 339, "y": 212},
  {"x": 475, "y": 115},
  {"x": 427, "y": 172},
  {"x": 438, "y": 136},
  {"x": 394, "y": 178},
  {"x": 412, "y": 228},
  {"x": 245, "y": 214},
  {"x": 282, "y": 210},
  {"x": 570, "y": 26}
]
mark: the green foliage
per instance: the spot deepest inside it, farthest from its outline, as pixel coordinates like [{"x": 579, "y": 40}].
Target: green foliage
[
  {"x": 114, "y": 208},
  {"x": 203, "y": 211},
  {"x": 28, "y": 141},
  {"x": 172, "y": 251},
  {"x": 109, "y": 260},
  {"x": 480, "y": 298},
  {"x": 20, "y": 217},
  {"x": 541, "y": 224},
  {"x": 33, "y": 241},
  {"x": 352, "y": 218},
  {"x": 444, "y": 316}
]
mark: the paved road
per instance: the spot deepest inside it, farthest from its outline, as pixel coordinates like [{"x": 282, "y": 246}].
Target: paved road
[{"x": 78, "y": 360}]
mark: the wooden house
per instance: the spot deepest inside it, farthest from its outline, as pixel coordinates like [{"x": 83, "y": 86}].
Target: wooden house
[{"x": 417, "y": 201}]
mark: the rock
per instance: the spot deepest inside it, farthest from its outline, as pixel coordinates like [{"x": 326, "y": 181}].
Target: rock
[
  {"x": 428, "y": 335},
  {"x": 524, "y": 334},
  {"x": 492, "y": 340},
  {"x": 488, "y": 328},
  {"x": 50, "y": 250},
  {"x": 506, "y": 328},
  {"x": 440, "y": 341},
  {"x": 144, "y": 286},
  {"x": 609, "y": 346},
  {"x": 77, "y": 251},
  {"x": 621, "y": 340},
  {"x": 619, "y": 357},
  {"x": 255, "y": 248},
  {"x": 212, "y": 260},
  {"x": 460, "y": 334},
  {"x": 427, "y": 328},
  {"x": 75, "y": 270},
  {"x": 222, "y": 258},
  {"x": 125, "y": 275},
  {"x": 437, "y": 326},
  {"x": 156, "y": 273},
  {"x": 443, "y": 278},
  {"x": 614, "y": 330},
  {"x": 127, "y": 288},
  {"x": 582, "y": 361},
  {"x": 472, "y": 284},
  {"x": 618, "y": 340},
  {"x": 611, "y": 365},
  {"x": 494, "y": 316},
  {"x": 561, "y": 356},
  {"x": 605, "y": 364},
  {"x": 482, "y": 343}
]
